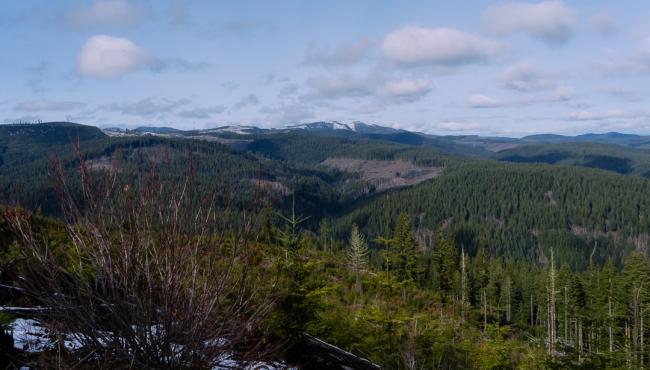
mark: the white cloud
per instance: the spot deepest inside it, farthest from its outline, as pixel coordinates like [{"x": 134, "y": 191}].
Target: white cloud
[
  {"x": 288, "y": 89},
  {"x": 245, "y": 101},
  {"x": 483, "y": 101},
  {"x": 561, "y": 94},
  {"x": 48, "y": 106},
  {"x": 598, "y": 116},
  {"x": 105, "y": 13},
  {"x": 344, "y": 85},
  {"x": 149, "y": 107},
  {"x": 106, "y": 57},
  {"x": 406, "y": 90},
  {"x": 202, "y": 112},
  {"x": 284, "y": 114},
  {"x": 373, "y": 90},
  {"x": 342, "y": 56},
  {"x": 626, "y": 95},
  {"x": 639, "y": 62},
  {"x": 458, "y": 126},
  {"x": 412, "y": 45},
  {"x": 550, "y": 21},
  {"x": 527, "y": 77}
]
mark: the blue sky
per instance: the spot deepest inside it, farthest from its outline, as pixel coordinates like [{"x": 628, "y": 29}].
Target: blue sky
[{"x": 463, "y": 67}]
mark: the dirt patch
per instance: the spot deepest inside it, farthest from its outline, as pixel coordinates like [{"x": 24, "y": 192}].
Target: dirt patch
[
  {"x": 585, "y": 233},
  {"x": 100, "y": 163},
  {"x": 550, "y": 197},
  {"x": 275, "y": 189},
  {"x": 385, "y": 174},
  {"x": 640, "y": 243}
]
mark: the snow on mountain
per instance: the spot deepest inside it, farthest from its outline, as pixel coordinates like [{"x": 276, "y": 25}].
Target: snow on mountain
[
  {"x": 320, "y": 126},
  {"x": 234, "y": 129}
]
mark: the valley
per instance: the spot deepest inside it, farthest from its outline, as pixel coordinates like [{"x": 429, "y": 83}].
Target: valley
[{"x": 505, "y": 214}]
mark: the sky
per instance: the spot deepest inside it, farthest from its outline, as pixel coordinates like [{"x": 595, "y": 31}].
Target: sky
[{"x": 439, "y": 67}]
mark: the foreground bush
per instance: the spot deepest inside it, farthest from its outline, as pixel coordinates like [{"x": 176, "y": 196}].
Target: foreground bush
[{"x": 157, "y": 275}]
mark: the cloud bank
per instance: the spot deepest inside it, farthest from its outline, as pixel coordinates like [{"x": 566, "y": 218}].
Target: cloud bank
[
  {"x": 412, "y": 45},
  {"x": 549, "y": 21}
]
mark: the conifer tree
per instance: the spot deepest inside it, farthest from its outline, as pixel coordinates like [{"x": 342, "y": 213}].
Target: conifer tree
[
  {"x": 551, "y": 305},
  {"x": 405, "y": 249},
  {"x": 325, "y": 234},
  {"x": 464, "y": 287},
  {"x": 357, "y": 253},
  {"x": 610, "y": 302},
  {"x": 636, "y": 277},
  {"x": 444, "y": 260}
]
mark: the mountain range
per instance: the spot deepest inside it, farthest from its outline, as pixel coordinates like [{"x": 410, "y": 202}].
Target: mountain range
[
  {"x": 582, "y": 201},
  {"x": 492, "y": 143}
]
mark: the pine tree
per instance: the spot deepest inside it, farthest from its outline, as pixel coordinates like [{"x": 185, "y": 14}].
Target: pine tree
[
  {"x": 290, "y": 237},
  {"x": 609, "y": 301},
  {"x": 444, "y": 260},
  {"x": 506, "y": 297},
  {"x": 636, "y": 276},
  {"x": 405, "y": 250},
  {"x": 357, "y": 253},
  {"x": 551, "y": 305},
  {"x": 269, "y": 232},
  {"x": 464, "y": 287},
  {"x": 325, "y": 234}
]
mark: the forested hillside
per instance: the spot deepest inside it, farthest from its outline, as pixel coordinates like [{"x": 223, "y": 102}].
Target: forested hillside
[
  {"x": 394, "y": 251},
  {"x": 521, "y": 211},
  {"x": 611, "y": 157}
]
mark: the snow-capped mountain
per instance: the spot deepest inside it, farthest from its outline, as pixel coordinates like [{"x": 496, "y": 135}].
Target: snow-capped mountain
[
  {"x": 356, "y": 126},
  {"x": 370, "y": 128},
  {"x": 235, "y": 129},
  {"x": 315, "y": 127},
  {"x": 321, "y": 126}
]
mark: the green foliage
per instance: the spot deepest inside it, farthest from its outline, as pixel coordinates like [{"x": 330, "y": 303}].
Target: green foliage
[
  {"x": 403, "y": 260},
  {"x": 408, "y": 301},
  {"x": 445, "y": 263},
  {"x": 357, "y": 252},
  {"x": 617, "y": 158},
  {"x": 519, "y": 212}
]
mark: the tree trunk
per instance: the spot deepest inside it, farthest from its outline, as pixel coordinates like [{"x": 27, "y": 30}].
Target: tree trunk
[
  {"x": 551, "y": 307},
  {"x": 532, "y": 314},
  {"x": 642, "y": 351},
  {"x": 580, "y": 343},
  {"x": 566, "y": 315},
  {"x": 609, "y": 327},
  {"x": 484, "y": 310},
  {"x": 462, "y": 284},
  {"x": 508, "y": 298}
]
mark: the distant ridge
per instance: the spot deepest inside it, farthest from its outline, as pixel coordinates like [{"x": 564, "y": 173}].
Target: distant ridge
[
  {"x": 356, "y": 126},
  {"x": 606, "y": 138},
  {"x": 157, "y": 130},
  {"x": 49, "y": 133}
]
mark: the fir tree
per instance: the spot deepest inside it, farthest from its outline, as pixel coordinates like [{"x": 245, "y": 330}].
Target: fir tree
[
  {"x": 444, "y": 261},
  {"x": 357, "y": 253},
  {"x": 405, "y": 250}
]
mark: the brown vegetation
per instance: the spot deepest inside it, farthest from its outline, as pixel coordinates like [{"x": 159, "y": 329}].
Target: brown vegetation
[
  {"x": 385, "y": 175},
  {"x": 152, "y": 278}
]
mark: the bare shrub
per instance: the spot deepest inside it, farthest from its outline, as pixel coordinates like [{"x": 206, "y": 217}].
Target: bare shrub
[{"x": 159, "y": 274}]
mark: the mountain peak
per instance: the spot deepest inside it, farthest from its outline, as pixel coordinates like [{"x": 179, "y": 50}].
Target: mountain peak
[
  {"x": 355, "y": 126},
  {"x": 321, "y": 126}
]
